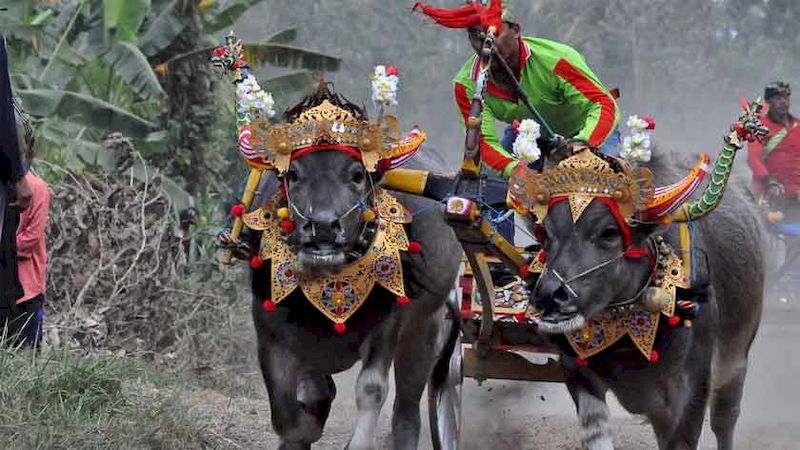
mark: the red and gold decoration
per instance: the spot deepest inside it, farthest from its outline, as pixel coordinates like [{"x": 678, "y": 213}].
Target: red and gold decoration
[
  {"x": 338, "y": 296},
  {"x": 328, "y": 127}
]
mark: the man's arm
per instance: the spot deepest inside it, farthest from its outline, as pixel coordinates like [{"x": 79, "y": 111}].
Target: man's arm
[
  {"x": 760, "y": 173},
  {"x": 33, "y": 221},
  {"x": 492, "y": 153},
  {"x": 582, "y": 89}
]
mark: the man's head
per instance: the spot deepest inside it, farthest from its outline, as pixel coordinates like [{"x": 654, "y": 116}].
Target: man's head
[
  {"x": 507, "y": 42},
  {"x": 777, "y": 95}
]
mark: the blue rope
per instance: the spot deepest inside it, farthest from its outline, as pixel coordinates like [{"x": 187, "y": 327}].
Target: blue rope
[{"x": 692, "y": 258}]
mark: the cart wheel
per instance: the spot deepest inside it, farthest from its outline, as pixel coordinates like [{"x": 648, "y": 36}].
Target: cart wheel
[{"x": 444, "y": 403}]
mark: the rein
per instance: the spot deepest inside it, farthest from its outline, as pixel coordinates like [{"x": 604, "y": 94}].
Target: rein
[{"x": 565, "y": 282}]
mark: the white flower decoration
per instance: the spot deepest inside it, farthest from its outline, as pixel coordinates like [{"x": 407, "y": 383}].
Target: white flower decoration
[
  {"x": 637, "y": 146},
  {"x": 525, "y": 146},
  {"x": 252, "y": 100},
  {"x": 384, "y": 87}
]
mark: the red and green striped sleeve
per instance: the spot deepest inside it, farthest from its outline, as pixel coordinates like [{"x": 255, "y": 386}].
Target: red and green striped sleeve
[
  {"x": 582, "y": 89},
  {"x": 492, "y": 153}
]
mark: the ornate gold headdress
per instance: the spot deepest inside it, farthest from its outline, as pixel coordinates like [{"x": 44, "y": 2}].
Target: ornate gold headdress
[
  {"x": 332, "y": 124},
  {"x": 582, "y": 177}
]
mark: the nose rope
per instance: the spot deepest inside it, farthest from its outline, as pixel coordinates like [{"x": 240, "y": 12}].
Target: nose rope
[
  {"x": 565, "y": 282},
  {"x": 360, "y": 203}
]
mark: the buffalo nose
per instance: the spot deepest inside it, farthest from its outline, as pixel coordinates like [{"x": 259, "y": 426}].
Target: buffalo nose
[
  {"x": 551, "y": 294},
  {"x": 322, "y": 228}
]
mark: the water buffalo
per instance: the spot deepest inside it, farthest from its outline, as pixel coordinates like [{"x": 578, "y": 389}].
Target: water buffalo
[
  {"x": 298, "y": 347},
  {"x": 706, "y": 360}
]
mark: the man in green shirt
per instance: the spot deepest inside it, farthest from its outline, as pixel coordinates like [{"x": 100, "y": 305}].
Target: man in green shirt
[{"x": 557, "y": 80}]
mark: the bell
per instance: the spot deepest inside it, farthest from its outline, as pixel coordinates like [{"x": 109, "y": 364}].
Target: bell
[{"x": 655, "y": 299}]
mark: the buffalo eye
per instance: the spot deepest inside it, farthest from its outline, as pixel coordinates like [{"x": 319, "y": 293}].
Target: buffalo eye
[
  {"x": 292, "y": 175},
  {"x": 357, "y": 177},
  {"x": 609, "y": 234}
]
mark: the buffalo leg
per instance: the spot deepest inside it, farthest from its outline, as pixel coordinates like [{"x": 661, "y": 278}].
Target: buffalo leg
[
  {"x": 413, "y": 364},
  {"x": 372, "y": 385},
  {"x": 299, "y": 403},
  {"x": 590, "y": 401},
  {"x": 725, "y": 409}
]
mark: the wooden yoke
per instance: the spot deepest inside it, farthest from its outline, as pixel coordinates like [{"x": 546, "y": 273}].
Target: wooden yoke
[{"x": 253, "y": 180}]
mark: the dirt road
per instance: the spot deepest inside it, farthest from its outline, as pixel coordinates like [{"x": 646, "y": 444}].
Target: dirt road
[{"x": 528, "y": 416}]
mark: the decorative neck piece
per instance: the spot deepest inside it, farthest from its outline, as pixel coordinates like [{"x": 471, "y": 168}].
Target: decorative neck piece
[
  {"x": 338, "y": 296},
  {"x": 639, "y": 321}
]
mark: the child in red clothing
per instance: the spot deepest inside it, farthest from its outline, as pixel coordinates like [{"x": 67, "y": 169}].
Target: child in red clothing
[{"x": 26, "y": 326}]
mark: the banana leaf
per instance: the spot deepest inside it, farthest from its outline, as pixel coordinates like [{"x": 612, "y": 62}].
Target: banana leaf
[
  {"x": 84, "y": 110},
  {"x": 289, "y": 87},
  {"x": 163, "y": 31},
  {"x": 276, "y": 55},
  {"x": 286, "y": 36},
  {"x": 229, "y": 13},
  {"x": 130, "y": 64},
  {"x": 125, "y": 17}
]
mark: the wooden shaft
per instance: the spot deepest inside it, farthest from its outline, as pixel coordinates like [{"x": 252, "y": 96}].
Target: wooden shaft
[{"x": 253, "y": 180}]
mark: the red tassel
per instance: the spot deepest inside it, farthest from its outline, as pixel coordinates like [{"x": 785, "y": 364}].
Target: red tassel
[
  {"x": 414, "y": 247},
  {"x": 674, "y": 321},
  {"x": 582, "y": 362},
  {"x": 282, "y": 190},
  {"x": 269, "y": 306},
  {"x": 340, "y": 328},
  {"x": 542, "y": 257},
  {"x": 287, "y": 226},
  {"x": 521, "y": 317},
  {"x": 524, "y": 271},
  {"x": 237, "y": 210},
  {"x": 219, "y": 51},
  {"x": 654, "y": 356},
  {"x": 402, "y": 300}
]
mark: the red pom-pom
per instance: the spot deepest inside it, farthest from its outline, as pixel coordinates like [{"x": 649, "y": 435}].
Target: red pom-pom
[
  {"x": 654, "y": 356},
  {"x": 524, "y": 271},
  {"x": 521, "y": 317},
  {"x": 256, "y": 262},
  {"x": 402, "y": 300},
  {"x": 287, "y": 226},
  {"x": 542, "y": 257},
  {"x": 219, "y": 51},
  {"x": 414, "y": 247},
  {"x": 651, "y": 123},
  {"x": 392, "y": 70},
  {"x": 340, "y": 328},
  {"x": 582, "y": 362},
  {"x": 268, "y": 305},
  {"x": 674, "y": 321},
  {"x": 237, "y": 210}
]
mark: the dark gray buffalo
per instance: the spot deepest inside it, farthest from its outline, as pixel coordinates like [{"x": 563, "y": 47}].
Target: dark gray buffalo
[
  {"x": 698, "y": 363},
  {"x": 298, "y": 347}
]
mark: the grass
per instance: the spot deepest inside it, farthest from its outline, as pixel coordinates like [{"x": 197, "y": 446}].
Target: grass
[{"x": 57, "y": 400}]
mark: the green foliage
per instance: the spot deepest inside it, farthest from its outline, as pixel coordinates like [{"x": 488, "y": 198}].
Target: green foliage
[{"x": 57, "y": 400}]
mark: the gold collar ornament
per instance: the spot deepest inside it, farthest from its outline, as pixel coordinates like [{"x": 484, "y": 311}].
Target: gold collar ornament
[
  {"x": 638, "y": 321},
  {"x": 339, "y": 296}
]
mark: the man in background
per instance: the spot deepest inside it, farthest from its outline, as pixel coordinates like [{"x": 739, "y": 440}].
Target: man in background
[
  {"x": 15, "y": 194},
  {"x": 776, "y": 162},
  {"x": 31, "y": 249}
]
